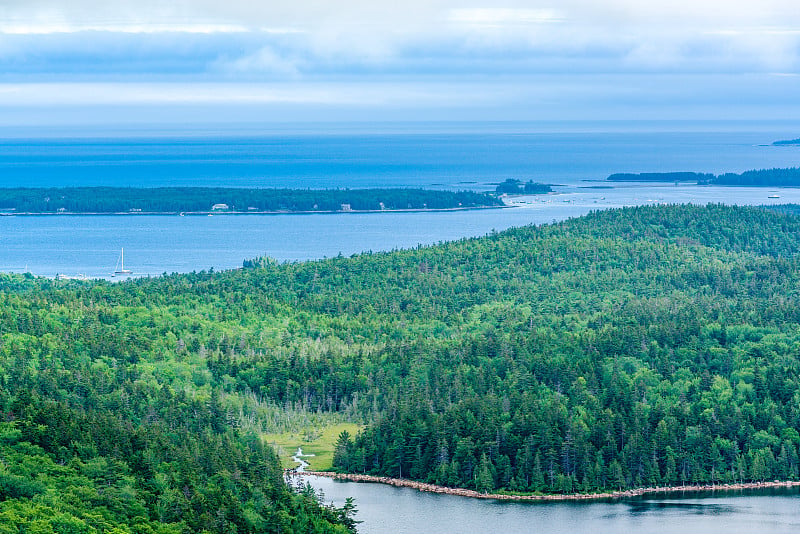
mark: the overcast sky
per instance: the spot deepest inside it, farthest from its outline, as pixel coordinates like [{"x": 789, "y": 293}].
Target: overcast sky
[{"x": 238, "y": 60}]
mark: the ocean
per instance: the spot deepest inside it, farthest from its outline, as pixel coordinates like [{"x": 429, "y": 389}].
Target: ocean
[
  {"x": 574, "y": 156},
  {"x": 475, "y": 156}
]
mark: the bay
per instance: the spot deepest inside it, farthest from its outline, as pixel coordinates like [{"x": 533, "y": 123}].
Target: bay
[
  {"x": 576, "y": 156},
  {"x": 153, "y": 244}
]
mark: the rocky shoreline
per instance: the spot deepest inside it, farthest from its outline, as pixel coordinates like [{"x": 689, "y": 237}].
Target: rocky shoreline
[{"x": 432, "y": 488}]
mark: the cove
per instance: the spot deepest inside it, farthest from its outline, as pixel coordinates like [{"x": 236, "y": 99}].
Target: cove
[{"x": 388, "y": 509}]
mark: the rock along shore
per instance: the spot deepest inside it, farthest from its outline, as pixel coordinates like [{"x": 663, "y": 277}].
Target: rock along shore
[{"x": 433, "y": 488}]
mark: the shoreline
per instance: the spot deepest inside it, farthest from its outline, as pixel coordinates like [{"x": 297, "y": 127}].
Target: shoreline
[
  {"x": 622, "y": 494},
  {"x": 214, "y": 213}
]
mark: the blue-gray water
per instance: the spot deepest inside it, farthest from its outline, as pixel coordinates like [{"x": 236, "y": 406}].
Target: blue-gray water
[
  {"x": 389, "y": 510},
  {"x": 474, "y": 157},
  {"x": 90, "y": 245}
]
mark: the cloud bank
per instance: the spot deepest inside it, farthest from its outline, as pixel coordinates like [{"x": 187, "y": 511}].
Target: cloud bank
[{"x": 541, "y": 58}]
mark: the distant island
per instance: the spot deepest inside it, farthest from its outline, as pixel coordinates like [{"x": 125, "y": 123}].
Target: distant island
[
  {"x": 787, "y": 142},
  {"x": 754, "y": 178},
  {"x": 517, "y": 187},
  {"x": 660, "y": 177},
  {"x": 201, "y": 200}
]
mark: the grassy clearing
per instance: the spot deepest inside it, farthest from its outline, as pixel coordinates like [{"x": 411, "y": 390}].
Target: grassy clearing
[{"x": 318, "y": 441}]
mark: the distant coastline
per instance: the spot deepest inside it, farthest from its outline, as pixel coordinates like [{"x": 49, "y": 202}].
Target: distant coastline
[
  {"x": 789, "y": 177},
  {"x": 232, "y": 201},
  {"x": 787, "y": 142},
  {"x": 239, "y": 213},
  {"x": 660, "y": 177},
  {"x": 622, "y": 494}
]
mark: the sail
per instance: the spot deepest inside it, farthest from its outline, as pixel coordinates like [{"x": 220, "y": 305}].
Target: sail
[{"x": 120, "y": 267}]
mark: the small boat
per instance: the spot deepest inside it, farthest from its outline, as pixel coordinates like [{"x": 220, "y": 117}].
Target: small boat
[
  {"x": 119, "y": 269},
  {"x": 774, "y": 196}
]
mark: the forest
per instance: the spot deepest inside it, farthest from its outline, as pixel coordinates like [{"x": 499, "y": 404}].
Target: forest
[
  {"x": 661, "y": 177},
  {"x": 755, "y": 178},
  {"x": 785, "y": 142},
  {"x": 641, "y": 346},
  {"x": 764, "y": 177},
  {"x": 517, "y": 187},
  {"x": 231, "y": 199}
]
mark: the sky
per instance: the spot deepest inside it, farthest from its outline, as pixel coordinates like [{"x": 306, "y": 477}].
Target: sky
[{"x": 204, "y": 61}]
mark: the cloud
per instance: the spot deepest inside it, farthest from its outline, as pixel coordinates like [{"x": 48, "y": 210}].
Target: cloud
[
  {"x": 63, "y": 27},
  {"x": 331, "y": 94},
  {"x": 533, "y": 98},
  {"x": 263, "y": 62},
  {"x": 537, "y": 56},
  {"x": 381, "y": 37},
  {"x": 494, "y": 17}
]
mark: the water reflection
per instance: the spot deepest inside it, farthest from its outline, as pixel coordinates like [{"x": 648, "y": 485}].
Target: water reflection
[{"x": 660, "y": 507}]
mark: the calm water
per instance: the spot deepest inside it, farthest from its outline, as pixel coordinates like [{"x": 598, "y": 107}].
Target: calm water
[
  {"x": 473, "y": 159},
  {"x": 389, "y": 510},
  {"x": 476, "y": 156},
  {"x": 90, "y": 245}
]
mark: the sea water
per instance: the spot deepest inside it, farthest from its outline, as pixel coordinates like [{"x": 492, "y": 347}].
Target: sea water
[
  {"x": 474, "y": 156},
  {"x": 155, "y": 244},
  {"x": 576, "y": 157}
]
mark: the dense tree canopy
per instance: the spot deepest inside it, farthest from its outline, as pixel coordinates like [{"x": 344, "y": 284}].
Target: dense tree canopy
[
  {"x": 516, "y": 187},
  {"x": 204, "y": 199},
  {"x": 648, "y": 345},
  {"x": 754, "y": 178},
  {"x": 661, "y": 177},
  {"x": 784, "y": 142}
]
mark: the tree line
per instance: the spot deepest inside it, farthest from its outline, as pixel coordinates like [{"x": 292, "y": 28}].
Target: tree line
[
  {"x": 630, "y": 347},
  {"x": 204, "y": 199},
  {"x": 754, "y": 178}
]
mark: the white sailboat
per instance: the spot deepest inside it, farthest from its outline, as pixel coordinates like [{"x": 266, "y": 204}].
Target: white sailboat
[{"x": 119, "y": 269}]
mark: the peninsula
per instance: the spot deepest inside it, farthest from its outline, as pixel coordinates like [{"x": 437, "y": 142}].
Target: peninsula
[
  {"x": 754, "y": 178},
  {"x": 203, "y": 200},
  {"x": 787, "y": 142},
  {"x": 598, "y": 496}
]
